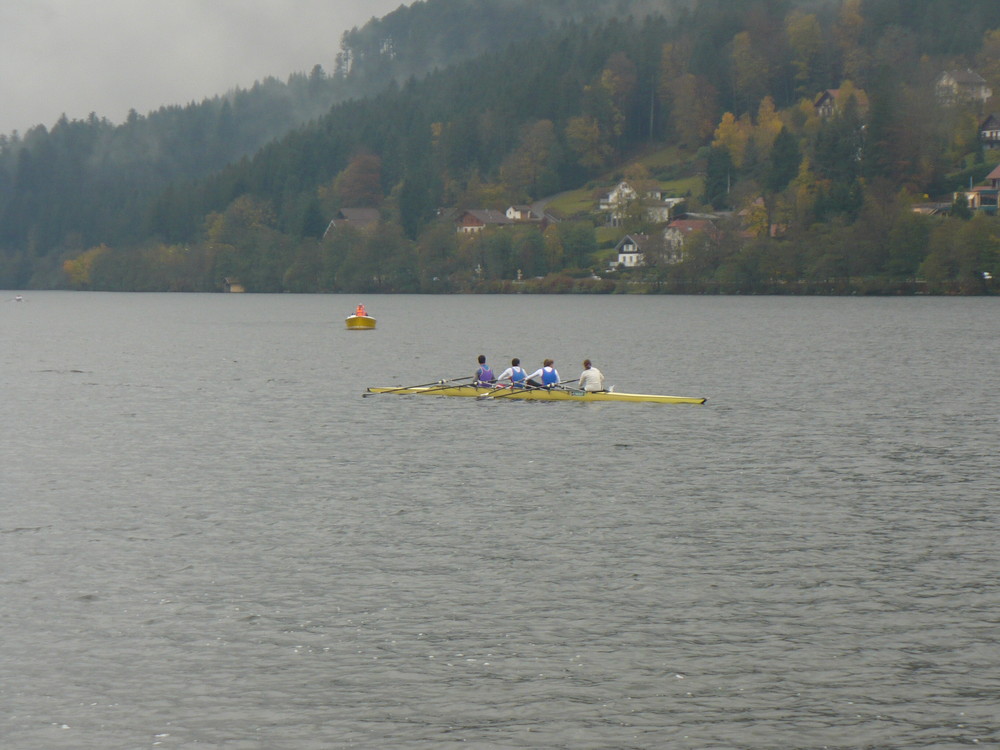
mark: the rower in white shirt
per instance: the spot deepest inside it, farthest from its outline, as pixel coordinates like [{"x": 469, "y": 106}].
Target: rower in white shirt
[
  {"x": 545, "y": 376},
  {"x": 515, "y": 374},
  {"x": 591, "y": 379}
]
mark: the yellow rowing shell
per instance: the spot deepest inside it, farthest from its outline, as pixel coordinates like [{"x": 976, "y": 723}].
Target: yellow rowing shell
[{"x": 536, "y": 394}]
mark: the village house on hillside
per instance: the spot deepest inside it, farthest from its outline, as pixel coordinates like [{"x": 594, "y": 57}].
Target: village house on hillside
[
  {"x": 477, "y": 219},
  {"x": 474, "y": 220},
  {"x": 656, "y": 207},
  {"x": 629, "y": 250},
  {"x": 522, "y": 213},
  {"x": 677, "y": 233},
  {"x": 962, "y": 85},
  {"x": 989, "y": 132},
  {"x": 355, "y": 217},
  {"x": 632, "y": 249},
  {"x": 528, "y": 215},
  {"x": 982, "y": 197},
  {"x": 831, "y": 101}
]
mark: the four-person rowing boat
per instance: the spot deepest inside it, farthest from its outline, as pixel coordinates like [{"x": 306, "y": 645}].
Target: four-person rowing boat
[{"x": 551, "y": 393}]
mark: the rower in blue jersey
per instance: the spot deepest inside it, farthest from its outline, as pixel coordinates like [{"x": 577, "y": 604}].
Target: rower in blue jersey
[
  {"x": 545, "y": 376},
  {"x": 515, "y": 374},
  {"x": 484, "y": 373}
]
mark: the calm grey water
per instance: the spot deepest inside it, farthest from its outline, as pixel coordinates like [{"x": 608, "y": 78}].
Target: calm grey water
[{"x": 209, "y": 539}]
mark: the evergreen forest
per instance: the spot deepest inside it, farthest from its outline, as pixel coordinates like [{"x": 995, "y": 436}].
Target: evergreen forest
[{"x": 810, "y": 141}]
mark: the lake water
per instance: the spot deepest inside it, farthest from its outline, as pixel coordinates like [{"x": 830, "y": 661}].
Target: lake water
[{"x": 209, "y": 539}]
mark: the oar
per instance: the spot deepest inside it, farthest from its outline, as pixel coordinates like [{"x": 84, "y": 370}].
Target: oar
[
  {"x": 561, "y": 385},
  {"x": 421, "y": 385},
  {"x": 448, "y": 384},
  {"x": 526, "y": 388},
  {"x": 575, "y": 391}
]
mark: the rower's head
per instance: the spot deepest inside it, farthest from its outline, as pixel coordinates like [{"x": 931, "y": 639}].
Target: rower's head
[
  {"x": 586, "y": 364},
  {"x": 547, "y": 363},
  {"x": 515, "y": 362},
  {"x": 482, "y": 359}
]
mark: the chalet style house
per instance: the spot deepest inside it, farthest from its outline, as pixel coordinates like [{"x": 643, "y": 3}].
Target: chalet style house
[
  {"x": 831, "y": 101},
  {"x": 989, "y": 132},
  {"x": 656, "y": 206},
  {"x": 629, "y": 250},
  {"x": 983, "y": 197},
  {"x": 962, "y": 85}
]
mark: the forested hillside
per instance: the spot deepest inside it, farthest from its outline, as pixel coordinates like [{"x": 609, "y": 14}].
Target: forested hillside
[
  {"x": 86, "y": 182},
  {"x": 461, "y": 105}
]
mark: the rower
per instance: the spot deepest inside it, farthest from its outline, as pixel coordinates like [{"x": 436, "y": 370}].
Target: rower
[
  {"x": 545, "y": 376},
  {"x": 361, "y": 312},
  {"x": 591, "y": 379},
  {"x": 484, "y": 373},
  {"x": 515, "y": 374}
]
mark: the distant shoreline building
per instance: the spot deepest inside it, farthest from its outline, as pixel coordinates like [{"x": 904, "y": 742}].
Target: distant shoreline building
[
  {"x": 360, "y": 218},
  {"x": 831, "y": 101},
  {"x": 983, "y": 198},
  {"x": 989, "y": 132},
  {"x": 954, "y": 86},
  {"x": 653, "y": 204}
]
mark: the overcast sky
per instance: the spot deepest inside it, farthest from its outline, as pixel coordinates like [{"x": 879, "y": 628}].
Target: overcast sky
[{"x": 109, "y": 56}]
